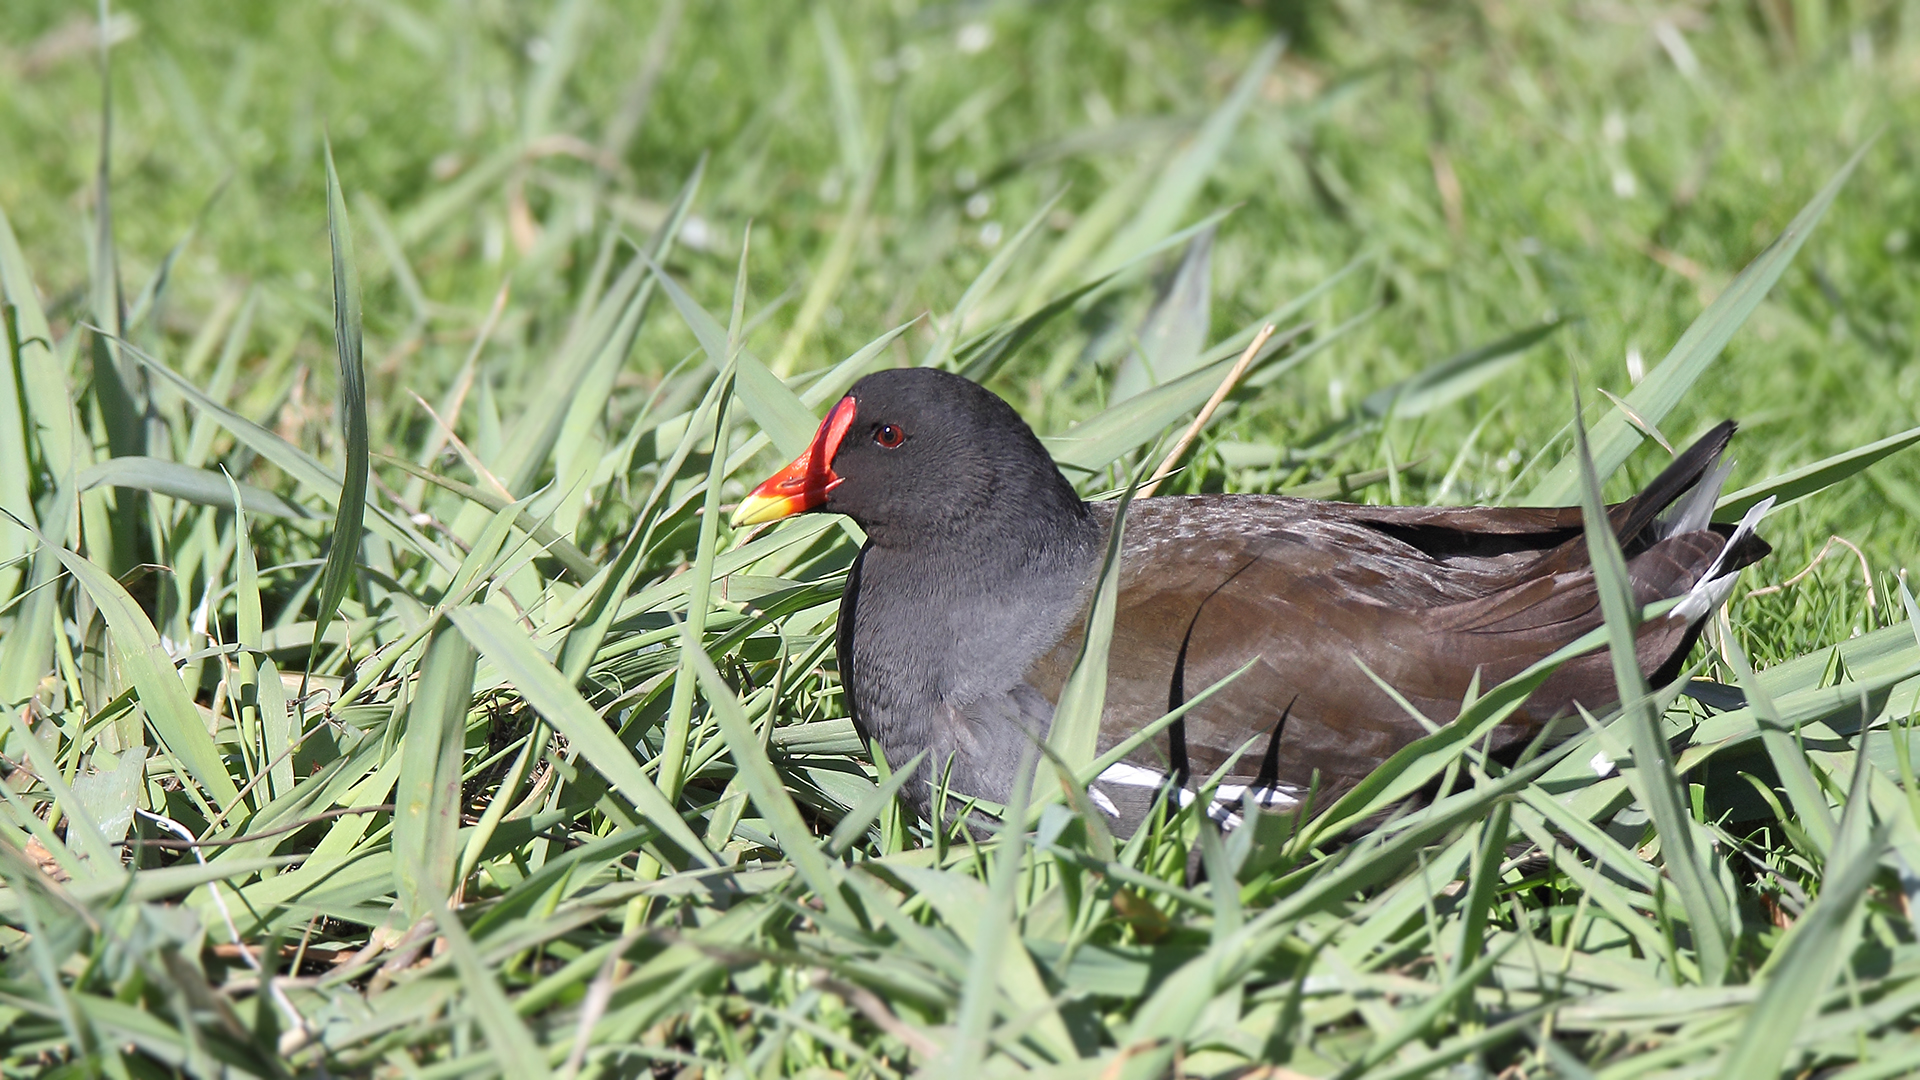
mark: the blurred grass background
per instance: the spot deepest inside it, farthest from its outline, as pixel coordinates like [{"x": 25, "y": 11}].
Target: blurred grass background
[
  {"x": 1484, "y": 169},
  {"x": 1501, "y": 163}
]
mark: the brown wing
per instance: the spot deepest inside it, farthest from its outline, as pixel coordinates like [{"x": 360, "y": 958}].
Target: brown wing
[{"x": 1316, "y": 595}]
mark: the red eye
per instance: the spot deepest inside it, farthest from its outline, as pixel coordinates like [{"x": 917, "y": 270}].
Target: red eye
[{"x": 889, "y": 436}]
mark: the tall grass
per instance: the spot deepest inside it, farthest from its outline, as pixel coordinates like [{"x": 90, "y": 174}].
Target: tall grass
[{"x": 447, "y": 729}]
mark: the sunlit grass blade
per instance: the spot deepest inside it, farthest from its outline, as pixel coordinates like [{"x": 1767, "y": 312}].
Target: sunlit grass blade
[
  {"x": 344, "y": 553},
  {"x": 296, "y": 462},
  {"x": 509, "y": 649},
  {"x": 1810, "y": 808},
  {"x": 940, "y": 353},
  {"x": 1075, "y": 733},
  {"x": 168, "y": 705},
  {"x": 575, "y": 560},
  {"x": 174, "y": 480},
  {"x": 1657, "y": 785},
  {"x": 615, "y": 318},
  {"x": 1174, "y": 334},
  {"x": 992, "y": 930},
  {"x": 1614, "y": 436},
  {"x": 503, "y": 1029},
  {"x": 1163, "y": 207},
  {"x": 426, "y": 798},
  {"x": 1097, "y": 442},
  {"x": 1805, "y": 966},
  {"x": 49, "y": 419},
  {"x": 674, "y": 746},
  {"x": 763, "y": 782},
  {"x": 1808, "y": 479},
  {"x": 1455, "y": 377}
]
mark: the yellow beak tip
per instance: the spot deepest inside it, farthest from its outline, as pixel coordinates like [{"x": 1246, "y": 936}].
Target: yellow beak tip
[{"x": 755, "y": 509}]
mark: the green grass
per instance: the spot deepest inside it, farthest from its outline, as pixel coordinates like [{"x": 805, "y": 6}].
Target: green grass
[{"x": 700, "y": 223}]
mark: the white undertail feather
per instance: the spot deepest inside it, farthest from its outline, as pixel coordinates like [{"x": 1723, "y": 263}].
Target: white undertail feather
[
  {"x": 1695, "y": 512},
  {"x": 1712, "y": 589}
]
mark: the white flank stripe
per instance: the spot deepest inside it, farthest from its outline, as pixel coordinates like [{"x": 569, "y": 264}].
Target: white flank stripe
[
  {"x": 1105, "y": 804},
  {"x": 1226, "y": 800}
]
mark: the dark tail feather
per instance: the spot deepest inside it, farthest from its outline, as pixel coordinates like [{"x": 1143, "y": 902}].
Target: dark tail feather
[{"x": 1632, "y": 517}]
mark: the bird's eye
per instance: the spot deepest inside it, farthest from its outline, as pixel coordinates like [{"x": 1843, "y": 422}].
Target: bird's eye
[{"x": 889, "y": 436}]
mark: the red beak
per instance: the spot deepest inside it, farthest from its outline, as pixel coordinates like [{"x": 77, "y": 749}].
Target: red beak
[{"x": 804, "y": 484}]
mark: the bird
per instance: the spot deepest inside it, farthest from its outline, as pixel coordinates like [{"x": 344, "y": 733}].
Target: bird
[{"x": 965, "y": 610}]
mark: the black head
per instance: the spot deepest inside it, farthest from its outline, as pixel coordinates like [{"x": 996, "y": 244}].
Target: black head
[{"x": 917, "y": 456}]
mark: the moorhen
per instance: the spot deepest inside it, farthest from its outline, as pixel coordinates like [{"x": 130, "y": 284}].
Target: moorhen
[{"x": 964, "y": 612}]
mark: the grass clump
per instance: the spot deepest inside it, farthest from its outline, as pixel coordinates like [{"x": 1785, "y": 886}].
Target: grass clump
[{"x": 386, "y": 696}]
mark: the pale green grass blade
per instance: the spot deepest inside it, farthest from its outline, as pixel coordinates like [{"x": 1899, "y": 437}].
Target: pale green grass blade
[
  {"x": 1167, "y": 203},
  {"x": 16, "y": 495},
  {"x": 940, "y": 353},
  {"x": 1075, "y": 733},
  {"x": 992, "y": 931},
  {"x": 1810, "y": 808},
  {"x": 120, "y": 414},
  {"x": 565, "y": 26},
  {"x": 1658, "y": 787},
  {"x": 1095, "y": 443},
  {"x": 202, "y": 487},
  {"x": 876, "y": 803},
  {"x": 1174, "y": 334},
  {"x": 763, "y": 782},
  {"x": 1419, "y": 1020},
  {"x": 1614, "y": 436},
  {"x": 833, "y": 270},
  {"x": 1805, "y": 966},
  {"x": 50, "y": 420},
  {"x": 426, "y": 798},
  {"x": 83, "y": 833},
  {"x": 508, "y": 648},
  {"x": 1481, "y": 882},
  {"x": 258, "y": 675},
  {"x": 344, "y": 553},
  {"x": 1413, "y": 766},
  {"x": 539, "y": 428},
  {"x": 1455, "y": 377},
  {"x": 1808, "y": 479},
  {"x": 981, "y": 356},
  {"x": 226, "y": 372},
  {"x": 563, "y": 549},
  {"x": 168, "y": 706},
  {"x": 296, "y": 462},
  {"x": 675, "y": 738},
  {"x": 502, "y": 1027},
  {"x": 848, "y": 123},
  {"x": 778, "y": 410},
  {"x": 154, "y": 291},
  {"x": 1072, "y": 256},
  {"x": 862, "y": 167}
]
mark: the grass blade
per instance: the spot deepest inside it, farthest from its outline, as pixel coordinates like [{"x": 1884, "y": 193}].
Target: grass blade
[
  {"x": 763, "y": 783},
  {"x": 344, "y": 554},
  {"x": 1615, "y": 436},
  {"x": 1174, "y": 335},
  {"x": 426, "y": 798},
  {"x": 1658, "y": 786},
  {"x": 504, "y": 1030},
  {"x": 1075, "y": 733},
  {"x": 508, "y": 648},
  {"x": 1167, "y": 203},
  {"x": 1807, "y": 479},
  {"x": 169, "y": 707},
  {"x": 1805, "y": 967}
]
